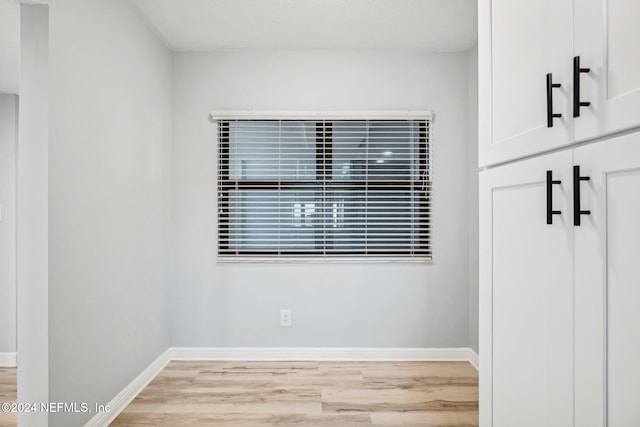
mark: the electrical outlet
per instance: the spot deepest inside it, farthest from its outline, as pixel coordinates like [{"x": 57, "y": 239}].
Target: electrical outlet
[{"x": 285, "y": 317}]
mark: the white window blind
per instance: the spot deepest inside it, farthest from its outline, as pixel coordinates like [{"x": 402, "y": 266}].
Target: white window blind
[{"x": 324, "y": 189}]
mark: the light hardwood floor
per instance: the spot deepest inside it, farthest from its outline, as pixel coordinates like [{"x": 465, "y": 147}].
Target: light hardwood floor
[
  {"x": 246, "y": 394},
  {"x": 8, "y": 394}
]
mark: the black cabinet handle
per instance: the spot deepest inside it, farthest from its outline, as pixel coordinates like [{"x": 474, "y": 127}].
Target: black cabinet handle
[
  {"x": 576, "y": 86},
  {"x": 577, "y": 212},
  {"x": 550, "y": 114},
  {"x": 550, "y": 211}
]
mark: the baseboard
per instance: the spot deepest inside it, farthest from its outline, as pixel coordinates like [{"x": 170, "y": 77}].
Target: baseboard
[
  {"x": 8, "y": 360},
  {"x": 122, "y": 399},
  {"x": 322, "y": 353},
  {"x": 474, "y": 359}
]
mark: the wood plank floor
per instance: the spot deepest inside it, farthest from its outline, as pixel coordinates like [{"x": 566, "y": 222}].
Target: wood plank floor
[
  {"x": 247, "y": 394},
  {"x": 9, "y": 394}
]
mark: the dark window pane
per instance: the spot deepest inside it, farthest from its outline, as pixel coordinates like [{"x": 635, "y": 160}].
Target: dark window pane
[
  {"x": 381, "y": 151},
  {"x": 268, "y": 219},
  {"x": 373, "y": 220},
  {"x": 269, "y": 150}
]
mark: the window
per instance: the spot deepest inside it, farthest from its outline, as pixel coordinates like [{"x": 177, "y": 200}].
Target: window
[{"x": 324, "y": 189}]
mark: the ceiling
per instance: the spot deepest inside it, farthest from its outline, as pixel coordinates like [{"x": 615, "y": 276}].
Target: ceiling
[
  {"x": 206, "y": 25},
  {"x": 9, "y": 46}
]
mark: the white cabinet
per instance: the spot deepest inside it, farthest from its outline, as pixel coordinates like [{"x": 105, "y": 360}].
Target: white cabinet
[
  {"x": 560, "y": 303},
  {"x": 526, "y": 294},
  {"x": 520, "y": 42},
  {"x": 607, "y": 285},
  {"x": 607, "y": 39}
]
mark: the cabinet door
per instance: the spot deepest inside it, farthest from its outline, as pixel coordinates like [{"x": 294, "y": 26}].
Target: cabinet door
[
  {"x": 520, "y": 41},
  {"x": 607, "y": 36},
  {"x": 526, "y": 296},
  {"x": 607, "y": 285}
]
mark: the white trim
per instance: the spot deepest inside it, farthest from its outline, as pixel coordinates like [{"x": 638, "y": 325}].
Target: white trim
[
  {"x": 334, "y": 259},
  {"x": 313, "y": 115},
  {"x": 8, "y": 360},
  {"x": 474, "y": 359},
  {"x": 322, "y": 354},
  {"x": 122, "y": 399}
]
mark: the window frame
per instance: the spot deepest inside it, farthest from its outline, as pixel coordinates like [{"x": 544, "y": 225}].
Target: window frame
[{"x": 324, "y": 166}]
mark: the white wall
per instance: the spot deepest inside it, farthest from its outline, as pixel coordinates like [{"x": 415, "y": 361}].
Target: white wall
[
  {"x": 473, "y": 196},
  {"x": 388, "y": 305},
  {"x": 9, "y": 46},
  {"x": 33, "y": 208},
  {"x": 109, "y": 199},
  {"x": 8, "y": 159}
]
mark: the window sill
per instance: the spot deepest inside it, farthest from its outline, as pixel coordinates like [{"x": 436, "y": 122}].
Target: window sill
[{"x": 323, "y": 260}]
